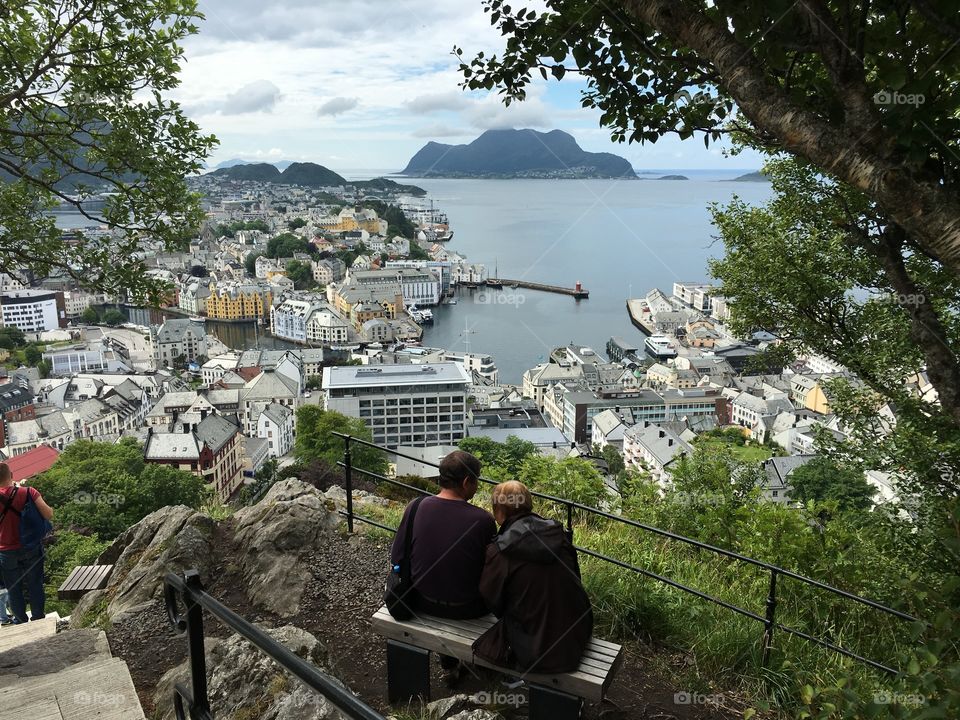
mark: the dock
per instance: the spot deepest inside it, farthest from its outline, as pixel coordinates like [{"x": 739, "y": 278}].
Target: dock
[
  {"x": 578, "y": 292},
  {"x": 640, "y": 316}
]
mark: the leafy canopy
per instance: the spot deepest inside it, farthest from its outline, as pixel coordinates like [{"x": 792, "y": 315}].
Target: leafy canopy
[
  {"x": 316, "y": 441},
  {"x": 105, "y": 488},
  {"x": 83, "y": 109}
]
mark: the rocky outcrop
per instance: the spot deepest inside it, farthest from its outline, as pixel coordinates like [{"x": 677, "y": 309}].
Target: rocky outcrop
[
  {"x": 245, "y": 683},
  {"x": 274, "y": 538},
  {"x": 270, "y": 544},
  {"x": 171, "y": 539}
]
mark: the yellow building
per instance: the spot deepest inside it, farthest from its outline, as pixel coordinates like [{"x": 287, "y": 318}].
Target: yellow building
[
  {"x": 352, "y": 219},
  {"x": 233, "y": 301}
]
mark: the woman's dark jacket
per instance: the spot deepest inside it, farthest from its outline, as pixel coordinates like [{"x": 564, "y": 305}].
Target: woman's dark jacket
[{"x": 531, "y": 581}]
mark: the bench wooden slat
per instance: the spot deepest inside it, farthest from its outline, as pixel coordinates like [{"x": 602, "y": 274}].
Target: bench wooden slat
[
  {"x": 82, "y": 579},
  {"x": 455, "y": 637}
]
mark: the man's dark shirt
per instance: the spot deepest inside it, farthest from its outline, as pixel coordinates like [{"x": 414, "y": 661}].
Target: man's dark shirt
[{"x": 450, "y": 539}]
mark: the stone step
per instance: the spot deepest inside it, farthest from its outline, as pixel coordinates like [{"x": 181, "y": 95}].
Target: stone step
[
  {"x": 100, "y": 688},
  {"x": 13, "y": 635}
]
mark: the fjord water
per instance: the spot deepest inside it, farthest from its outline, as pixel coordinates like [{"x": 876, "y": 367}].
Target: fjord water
[{"x": 616, "y": 237}]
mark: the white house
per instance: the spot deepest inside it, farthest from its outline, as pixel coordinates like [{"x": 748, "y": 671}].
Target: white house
[{"x": 275, "y": 425}]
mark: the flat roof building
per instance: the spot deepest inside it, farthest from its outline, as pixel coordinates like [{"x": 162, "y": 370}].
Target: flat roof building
[{"x": 417, "y": 405}]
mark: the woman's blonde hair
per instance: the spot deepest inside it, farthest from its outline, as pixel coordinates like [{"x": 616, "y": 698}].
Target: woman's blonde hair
[{"x": 511, "y": 498}]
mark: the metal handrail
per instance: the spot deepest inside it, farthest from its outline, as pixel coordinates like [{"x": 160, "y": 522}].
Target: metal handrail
[
  {"x": 768, "y": 619},
  {"x": 193, "y": 702}
]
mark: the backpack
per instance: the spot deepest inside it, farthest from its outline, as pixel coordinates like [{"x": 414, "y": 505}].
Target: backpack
[{"x": 34, "y": 528}]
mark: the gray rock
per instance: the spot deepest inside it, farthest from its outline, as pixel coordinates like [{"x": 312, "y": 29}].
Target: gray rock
[
  {"x": 439, "y": 709},
  {"x": 477, "y": 714},
  {"x": 276, "y": 536},
  {"x": 360, "y": 497},
  {"x": 243, "y": 679},
  {"x": 171, "y": 539}
]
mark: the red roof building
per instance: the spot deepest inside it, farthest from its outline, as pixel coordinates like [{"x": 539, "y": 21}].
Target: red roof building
[{"x": 33, "y": 462}]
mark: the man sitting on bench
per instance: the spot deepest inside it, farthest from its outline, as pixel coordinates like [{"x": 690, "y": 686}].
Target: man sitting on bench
[
  {"x": 531, "y": 582},
  {"x": 450, "y": 537}
]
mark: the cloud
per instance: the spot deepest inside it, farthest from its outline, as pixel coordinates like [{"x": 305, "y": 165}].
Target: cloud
[
  {"x": 435, "y": 131},
  {"x": 435, "y": 102},
  {"x": 491, "y": 114},
  {"x": 257, "y": 96},
  {"x": 338, "y": 105}
]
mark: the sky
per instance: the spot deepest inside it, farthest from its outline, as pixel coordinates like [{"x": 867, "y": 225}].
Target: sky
[{"x": 362, "y": 84}]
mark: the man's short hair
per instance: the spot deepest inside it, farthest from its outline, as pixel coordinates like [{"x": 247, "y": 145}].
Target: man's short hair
[
  {"x": 4, "y": 471},
  {"x": 457, "y": 467},
  {"x": 512, "y": 498}
]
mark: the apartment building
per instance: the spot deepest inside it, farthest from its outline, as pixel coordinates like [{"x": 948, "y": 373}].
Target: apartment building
[
  {"x": 178, "y": 338},
  {"x": 33, "y": 311},
  {"x": 239, "y": 301},
  {"x": 419, "y": 405},
  {"x": 210, "y": 449}
]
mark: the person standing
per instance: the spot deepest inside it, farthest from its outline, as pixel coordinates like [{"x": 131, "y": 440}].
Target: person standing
[
  {"x": 20, "y": 567},
  {"x": 531, "y": 582}
]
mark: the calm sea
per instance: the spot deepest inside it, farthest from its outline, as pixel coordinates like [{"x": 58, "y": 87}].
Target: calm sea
[{"x": 619, "y": 238}]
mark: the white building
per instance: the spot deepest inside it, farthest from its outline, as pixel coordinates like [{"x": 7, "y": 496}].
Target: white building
[
  {"x": 418, "y": 405},
  {"x": 275, "y": 425},
  {"x": 176, "y": 338},
  {"x": 647, "y": 445},
  {"x": 419, "y": 286},
  {"x": 76, "y": 301},
  {"x": 33, "y": 311}
]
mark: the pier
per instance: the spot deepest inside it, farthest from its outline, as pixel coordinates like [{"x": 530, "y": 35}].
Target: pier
[
  {"x": 640, "y": 316},
  {"x": 578, "y": 292}
]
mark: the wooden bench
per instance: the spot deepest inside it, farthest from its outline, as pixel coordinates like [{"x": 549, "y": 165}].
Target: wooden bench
[
  {"x": 82, "y": 579},
  {"x": 552, "y": 697}
]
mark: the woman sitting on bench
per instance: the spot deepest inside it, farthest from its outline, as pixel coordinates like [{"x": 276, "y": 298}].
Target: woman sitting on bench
[{"x": 531, "y": 582}]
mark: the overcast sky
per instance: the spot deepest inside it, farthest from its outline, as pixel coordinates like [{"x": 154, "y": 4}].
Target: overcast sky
[{"x": 365, "y": 83}]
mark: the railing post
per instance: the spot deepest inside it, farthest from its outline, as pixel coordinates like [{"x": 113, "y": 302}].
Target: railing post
[
  {"x": 771, "y": 615},
  {"x": 348, "y": 481},
  {"x": 570, "y": 520},
  {"x": 198, "y": 661}
]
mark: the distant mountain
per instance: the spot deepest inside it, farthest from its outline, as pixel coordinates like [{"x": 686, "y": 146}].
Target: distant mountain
[
  {"x": 311, "y": 175},
  {"x": 259, "y": 172},
  {"x": 516, "y": 153},
  {"x": 673, "y": 177},
  {"x": 308, "y": 174},
  {"x": 755, "y": 176}
]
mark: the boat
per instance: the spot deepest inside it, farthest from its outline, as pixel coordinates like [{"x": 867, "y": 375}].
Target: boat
[
  {"x": 427, "y": 316},
  {"x": 450, "y": 301},
  {"x": 196, "y": 318},
  {"x": 660, "y": 347},
  {"x": 495, "y": 281}
]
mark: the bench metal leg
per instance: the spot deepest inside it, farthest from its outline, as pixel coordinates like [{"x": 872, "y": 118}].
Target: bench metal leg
[
  {"x": 408, "y": 672},
  {"x": 548, "y": 704}
]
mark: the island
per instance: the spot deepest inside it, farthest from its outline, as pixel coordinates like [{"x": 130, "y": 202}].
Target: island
[
  {"x": 516, "y": 154},
  {"x": 673, "y": 177},
  {"x": 755, "y": 176}
]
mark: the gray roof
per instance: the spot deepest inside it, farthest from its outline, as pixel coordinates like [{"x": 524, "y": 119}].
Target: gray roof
[
  {"x": 664, "y": 445},
  {"x": 367, "y": 376},
  {"x": 176, "y": 329},
  {"x": 541, "y": 437},
  {"x": 215, "y": 431},
  {"x": 278, "y": 414},
  {"x": 778, "y": 469}
]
